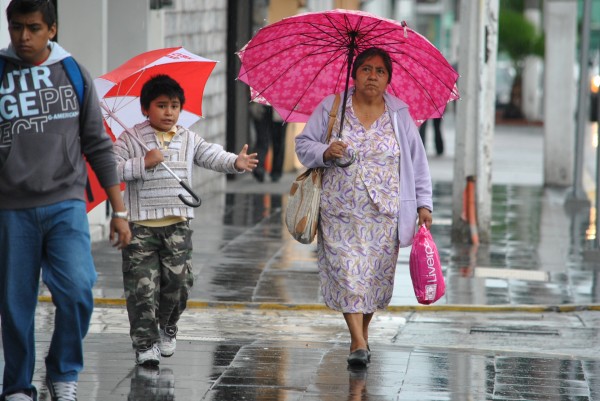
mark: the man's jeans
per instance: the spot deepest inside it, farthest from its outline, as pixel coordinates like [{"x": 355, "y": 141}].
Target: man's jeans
[{"x": 56, "y": 239}]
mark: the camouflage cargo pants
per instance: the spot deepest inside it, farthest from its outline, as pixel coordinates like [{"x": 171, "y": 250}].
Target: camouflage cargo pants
[{"x": 157, "y": 277}]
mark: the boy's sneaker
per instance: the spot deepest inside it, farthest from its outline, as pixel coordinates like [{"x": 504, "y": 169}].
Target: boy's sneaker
[
  {"x": 18, "y": 397},
  {"x": 148, "y": 357},
  {"x": 62, "y": 391},
  {"x": 168, "y": 341}
]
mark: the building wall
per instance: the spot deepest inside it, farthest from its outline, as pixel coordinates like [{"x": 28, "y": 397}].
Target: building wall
[{"x": 201, "y": 27}]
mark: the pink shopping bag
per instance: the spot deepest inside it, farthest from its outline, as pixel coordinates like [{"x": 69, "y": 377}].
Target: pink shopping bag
[{"x": 425, "y": 268}]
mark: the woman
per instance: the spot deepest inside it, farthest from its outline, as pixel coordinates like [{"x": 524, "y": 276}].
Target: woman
[{"x": 368, "y": 209}]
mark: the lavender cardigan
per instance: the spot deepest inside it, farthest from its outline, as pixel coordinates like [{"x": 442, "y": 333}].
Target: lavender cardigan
[{"x": 415, "y": 180}]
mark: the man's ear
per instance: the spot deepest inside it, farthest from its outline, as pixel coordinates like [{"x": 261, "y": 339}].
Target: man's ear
[{"x": 52, "y": 31}]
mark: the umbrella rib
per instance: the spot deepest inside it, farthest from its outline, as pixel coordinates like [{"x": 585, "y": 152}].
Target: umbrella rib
[
  {"x": 307, "y": 87},
  {"x": 424, "y": 90},
  {"x": 268, "y": 58},
  {"x": 335, "y": 37},
  {"x": 425, "y": 66},
  {"x": 123, "y": 96},
  {"x": 327, "y": 47}
]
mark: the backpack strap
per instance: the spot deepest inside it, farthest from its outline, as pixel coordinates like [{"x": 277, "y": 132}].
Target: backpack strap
[
  {"x": 2, "y": 64},
  {"x": 74, "y": 74}
]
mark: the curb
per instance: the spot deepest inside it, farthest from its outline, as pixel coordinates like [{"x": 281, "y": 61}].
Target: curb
[{"x": 394, "y": 308}]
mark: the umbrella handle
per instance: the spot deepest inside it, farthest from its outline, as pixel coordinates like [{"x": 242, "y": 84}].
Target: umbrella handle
[
  {"x": 346, "y": 163},
  {"x": 143, "y": 145},
  {"x": 351, "y": 48},
  {"x": 192, "y": 194}
]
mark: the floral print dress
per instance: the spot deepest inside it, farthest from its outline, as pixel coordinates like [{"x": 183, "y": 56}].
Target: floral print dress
[{"x": 358, "y": 242}]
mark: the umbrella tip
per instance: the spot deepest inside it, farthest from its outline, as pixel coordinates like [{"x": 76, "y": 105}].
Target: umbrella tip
[{"x": 404, "y": 25}]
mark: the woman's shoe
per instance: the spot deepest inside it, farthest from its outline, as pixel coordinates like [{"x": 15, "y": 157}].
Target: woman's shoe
[
  {"x": 360, "y": 357},
  {"x": 368, "y": 353}
]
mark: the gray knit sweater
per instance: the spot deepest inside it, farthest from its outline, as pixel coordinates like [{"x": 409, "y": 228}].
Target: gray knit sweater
[{"x": 153, "y": 194}]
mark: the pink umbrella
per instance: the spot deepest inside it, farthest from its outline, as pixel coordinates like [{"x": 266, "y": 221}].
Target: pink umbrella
[{"x": 294, "y": 63}]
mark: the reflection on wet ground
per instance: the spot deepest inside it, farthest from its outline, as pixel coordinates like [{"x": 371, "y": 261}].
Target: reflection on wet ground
[
  {"x": 243, "y": 253},
  {"x": 294, "y": 355}
]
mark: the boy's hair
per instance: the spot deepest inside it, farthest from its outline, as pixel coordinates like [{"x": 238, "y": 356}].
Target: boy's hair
[
  {"x": 159, "y": 85},
  {"x": 370, "y": 52},
  {"x": 46, "y": 7}
]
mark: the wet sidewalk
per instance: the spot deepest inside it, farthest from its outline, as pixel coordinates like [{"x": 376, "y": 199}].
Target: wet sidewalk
[
  {"x": 520, "y": 319},
  {"x": 244, "y": 254}
]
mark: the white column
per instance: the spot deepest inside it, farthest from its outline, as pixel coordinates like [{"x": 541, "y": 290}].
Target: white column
[
  {"x": 129, "y": 30},
  {"x": 4, "y": 37},
  {"x": 532, "y": 73},
  {"x": 475, "y": 118},
  {"x": 404, "y": 10},
  {"x": 85, "y": 38},
  {"x": 467, "y": 122},
  {"x": 487, "y": 105},
  {"x": 381, "y": 8},
  {"x": 560, "y": 19}
]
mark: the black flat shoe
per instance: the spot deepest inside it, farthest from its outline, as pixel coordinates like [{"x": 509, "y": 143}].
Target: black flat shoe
[{"x": 360, "y": 357}]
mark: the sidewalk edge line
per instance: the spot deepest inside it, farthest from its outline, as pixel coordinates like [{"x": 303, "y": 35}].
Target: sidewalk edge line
[{"x": 394, "y": 308}]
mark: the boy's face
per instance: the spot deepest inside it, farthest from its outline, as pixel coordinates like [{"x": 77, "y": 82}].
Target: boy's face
[
  {"x": 163, "y": 113},
  {"x": 29, "y": 35}
]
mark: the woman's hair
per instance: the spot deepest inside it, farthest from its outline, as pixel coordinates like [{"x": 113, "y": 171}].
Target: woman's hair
[
  {"x": 368, "y": 53},
  {"x": 46, "y": 7},
  {"x": 159, "y": 85}
]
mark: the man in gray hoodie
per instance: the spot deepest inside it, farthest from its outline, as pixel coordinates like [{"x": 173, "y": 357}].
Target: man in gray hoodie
[{"x": 46, "y": 134}]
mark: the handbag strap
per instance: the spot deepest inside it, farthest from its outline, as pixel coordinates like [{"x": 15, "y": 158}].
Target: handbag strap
[{"x": 332, "y": 115}]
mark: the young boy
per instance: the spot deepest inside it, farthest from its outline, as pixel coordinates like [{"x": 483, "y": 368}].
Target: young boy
[{"x": 157, "y": 269}]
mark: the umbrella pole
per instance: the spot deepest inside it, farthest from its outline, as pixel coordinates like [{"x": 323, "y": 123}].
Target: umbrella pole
[
  {"x": 351, "y": 48},
  {"x": 185, "y": 186}
]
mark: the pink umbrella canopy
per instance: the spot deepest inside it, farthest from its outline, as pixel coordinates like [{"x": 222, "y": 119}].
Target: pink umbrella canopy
[{"x": 294, "y": 63}]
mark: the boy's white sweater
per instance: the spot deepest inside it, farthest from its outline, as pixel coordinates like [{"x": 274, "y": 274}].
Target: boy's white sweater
[{"x": 153, "y": 194}]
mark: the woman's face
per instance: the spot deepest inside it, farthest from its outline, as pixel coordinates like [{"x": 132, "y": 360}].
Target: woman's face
[{"x": 372, "y": 77}]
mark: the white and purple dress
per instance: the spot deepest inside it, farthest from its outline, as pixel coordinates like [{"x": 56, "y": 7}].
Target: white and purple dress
[
  {"x": 358, "y": 240},
  {"x": 368, "y": 209}
]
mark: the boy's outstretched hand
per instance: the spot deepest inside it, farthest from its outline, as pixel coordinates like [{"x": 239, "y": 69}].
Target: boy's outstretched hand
[{"x": 245, "y": 161}]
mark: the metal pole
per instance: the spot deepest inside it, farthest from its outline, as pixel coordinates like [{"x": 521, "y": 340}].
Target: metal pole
[
  {"x": 578, "y": 191},
  {"x": 597, "y": 243}
]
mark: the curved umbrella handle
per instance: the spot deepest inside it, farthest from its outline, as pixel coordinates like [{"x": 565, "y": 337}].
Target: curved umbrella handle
[
  {"x": 348, "y": 162},
  {"x": 192, "y": 194}
]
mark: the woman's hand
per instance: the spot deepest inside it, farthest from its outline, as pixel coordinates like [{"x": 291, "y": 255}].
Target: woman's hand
[
  {"x": 245, "y": 161},
  {"x": 335, "y": 150},
  {"x": 153, "y": 158},
  {"x": 424, "y": 217}
]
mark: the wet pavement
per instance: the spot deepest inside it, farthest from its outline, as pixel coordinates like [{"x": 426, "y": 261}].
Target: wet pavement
[{"x": 520, "y": 319}]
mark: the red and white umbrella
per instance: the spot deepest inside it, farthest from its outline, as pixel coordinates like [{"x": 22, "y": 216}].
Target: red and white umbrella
[
  {"x": 119, "y": 89},
  {"x": 119, "y": 92}
]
